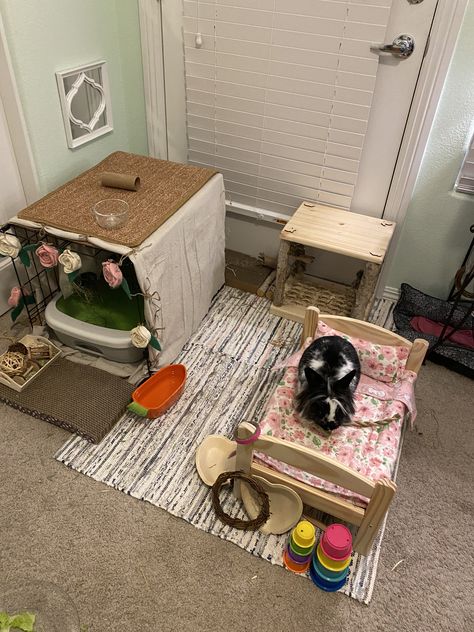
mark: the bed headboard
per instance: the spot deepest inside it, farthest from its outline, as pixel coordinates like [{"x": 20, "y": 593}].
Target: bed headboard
[{"x": 367, "y": 331}]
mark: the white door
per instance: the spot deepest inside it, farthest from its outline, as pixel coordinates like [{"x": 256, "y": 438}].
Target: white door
[
  {"x": 390, "y": 80},
  {"x": 12, "y": 196},
  {"x": 396, "y": 83}
]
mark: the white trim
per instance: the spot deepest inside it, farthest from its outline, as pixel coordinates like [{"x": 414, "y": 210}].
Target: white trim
[
  {"x": 173, "y": 47},
  {"x": 16, "y": 122},
  {"x": 441, "y": 45},
  {"x": 153, "y": 77},
  {"x": 391, "y": 293},
  {"x": 163, "y": 65},
  {"x": 259, "y": 214}
]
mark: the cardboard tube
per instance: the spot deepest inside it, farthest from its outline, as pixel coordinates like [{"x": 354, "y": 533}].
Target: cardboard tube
[{"x": 120, "y": 181}]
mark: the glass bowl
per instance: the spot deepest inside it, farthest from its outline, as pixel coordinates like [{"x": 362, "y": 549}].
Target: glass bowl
[{"x": 111, "y": 213}]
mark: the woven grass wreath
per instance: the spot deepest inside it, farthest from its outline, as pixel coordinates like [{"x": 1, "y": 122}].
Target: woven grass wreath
[{"x": 237, "y": 523}]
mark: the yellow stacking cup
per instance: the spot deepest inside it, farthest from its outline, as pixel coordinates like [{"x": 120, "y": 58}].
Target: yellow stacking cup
[
  {"x": 330, "y": 564},
  {"x": 304, "y": 535}
]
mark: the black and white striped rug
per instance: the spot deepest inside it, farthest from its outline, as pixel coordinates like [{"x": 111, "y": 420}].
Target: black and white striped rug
[{"x": 229, "y": 361}]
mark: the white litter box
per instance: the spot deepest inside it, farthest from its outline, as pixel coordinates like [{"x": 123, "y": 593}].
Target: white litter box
[{"x": 112, "y": 344}]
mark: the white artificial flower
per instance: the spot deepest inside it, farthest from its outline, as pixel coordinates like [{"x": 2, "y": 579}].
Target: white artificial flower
[
  {"x": 10, "y": 245},
  {"x": 70, "y": 260},
  {"x": 140, "y": 337}
]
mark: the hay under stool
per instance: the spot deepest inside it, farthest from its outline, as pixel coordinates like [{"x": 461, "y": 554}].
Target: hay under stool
[{"x": 331, "y": 301}]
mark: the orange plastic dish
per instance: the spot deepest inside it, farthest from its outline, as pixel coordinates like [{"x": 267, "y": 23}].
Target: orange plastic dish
[{"x": 152, "y": 398}]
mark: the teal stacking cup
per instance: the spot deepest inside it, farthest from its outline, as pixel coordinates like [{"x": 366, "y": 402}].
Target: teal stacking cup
[
  {"x": 324, "y": 584},
  {"x": 326, "y": 574}
]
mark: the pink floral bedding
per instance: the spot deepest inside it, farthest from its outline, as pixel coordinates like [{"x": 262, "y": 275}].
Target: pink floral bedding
[{"x": 371, "y": 451}]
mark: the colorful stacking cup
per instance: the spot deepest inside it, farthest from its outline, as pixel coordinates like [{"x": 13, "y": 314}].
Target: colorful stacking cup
[
  {"x": 323, "y": 584},
  {"x": 299, "y": 559},
  {"x": 298, "y": 554},
  {"x": 291, "y": 565},
  {"x": 330, "y": 564},
  {"x": 326, "y": 574},
  {"x": 336, "y": 542},
  {"x": 298, "y": 550},
  {"x": 304, "y": 535}
]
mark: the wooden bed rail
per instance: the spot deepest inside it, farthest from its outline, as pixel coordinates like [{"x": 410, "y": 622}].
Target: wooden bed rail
[
  {"x": 368, "y": 520},
  {"x": 329, "y": 503},
  {"x": 303, "y": 458}
]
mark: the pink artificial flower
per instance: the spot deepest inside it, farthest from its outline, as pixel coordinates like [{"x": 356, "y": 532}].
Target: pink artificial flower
[
  {"x": 112, "y": 273},
  {"x": 48, "y": 255},
  {"x": 15, "y": 296}
]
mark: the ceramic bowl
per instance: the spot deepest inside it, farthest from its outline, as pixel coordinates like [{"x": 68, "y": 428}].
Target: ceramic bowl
[
  {"x": 286, "y": 506},
  {"x": 215, "y": 455}
]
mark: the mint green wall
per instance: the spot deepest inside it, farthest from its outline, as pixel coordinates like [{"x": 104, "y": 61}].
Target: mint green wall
[
  {"x": 49, "y": 35},
  {"x": 435, "y": 235}
]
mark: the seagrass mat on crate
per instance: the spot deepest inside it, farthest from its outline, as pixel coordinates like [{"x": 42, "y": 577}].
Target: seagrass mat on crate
[
  {"x": 78, "y": 398},
  {"x": 165, "y": 187}
]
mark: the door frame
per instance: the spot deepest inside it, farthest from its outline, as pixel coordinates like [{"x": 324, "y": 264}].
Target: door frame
[
  {"x": 16, "y": 122},
  {"x": 170, "y": 91}
]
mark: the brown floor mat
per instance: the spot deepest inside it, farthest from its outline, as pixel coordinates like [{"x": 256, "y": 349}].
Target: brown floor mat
[{"x": 79, "y": 398}]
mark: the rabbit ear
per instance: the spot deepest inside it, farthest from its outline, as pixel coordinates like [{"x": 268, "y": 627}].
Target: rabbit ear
[
  {"x": 346, "y": 380},
  {"x": 314, "y": 379}
]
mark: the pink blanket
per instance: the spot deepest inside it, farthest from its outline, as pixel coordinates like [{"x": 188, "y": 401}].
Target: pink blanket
[{"x": 371, "y": 451}]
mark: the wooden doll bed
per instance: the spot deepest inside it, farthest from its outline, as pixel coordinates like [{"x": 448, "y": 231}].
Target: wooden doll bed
[{"x": 380, "y": 493}]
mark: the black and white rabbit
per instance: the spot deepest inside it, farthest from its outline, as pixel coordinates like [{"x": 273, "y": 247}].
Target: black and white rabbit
[{"x": 328, "y": 374}]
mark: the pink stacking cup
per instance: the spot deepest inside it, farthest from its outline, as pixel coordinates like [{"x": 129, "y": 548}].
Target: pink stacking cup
[{"x": 336, "y": 542}]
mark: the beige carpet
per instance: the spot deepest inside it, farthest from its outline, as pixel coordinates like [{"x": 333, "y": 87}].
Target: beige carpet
[{"x": 128, "y": 565}]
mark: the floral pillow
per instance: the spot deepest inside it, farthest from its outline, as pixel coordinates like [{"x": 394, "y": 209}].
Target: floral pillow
[{"x": 384, "y": 363}]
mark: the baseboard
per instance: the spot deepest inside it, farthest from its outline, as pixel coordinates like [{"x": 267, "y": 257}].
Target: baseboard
[{"x": 391, "y": 293}]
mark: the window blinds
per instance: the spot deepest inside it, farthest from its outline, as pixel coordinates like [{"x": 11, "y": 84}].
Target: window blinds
[
  {"x": 465, "y": 182},
  {"x": 279, "y": 94}
]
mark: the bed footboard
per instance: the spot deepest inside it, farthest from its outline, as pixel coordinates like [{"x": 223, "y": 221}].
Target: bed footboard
[{"x": 367, "y": 520}]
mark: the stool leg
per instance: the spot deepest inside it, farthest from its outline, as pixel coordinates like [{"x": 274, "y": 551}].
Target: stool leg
[
  {"x": 366, "y": 291},
  {"x": 282, "y": 269}
]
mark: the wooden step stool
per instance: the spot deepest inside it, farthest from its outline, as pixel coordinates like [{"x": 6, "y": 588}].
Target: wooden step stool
[{"x": 334, "y": 230}]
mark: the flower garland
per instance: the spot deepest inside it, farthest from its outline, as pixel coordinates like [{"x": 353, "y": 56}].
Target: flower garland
[
  {"x": 141, "y": 337},
  {"x": 49, "y": 256},
  {"x": 19, "y": 297}
]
